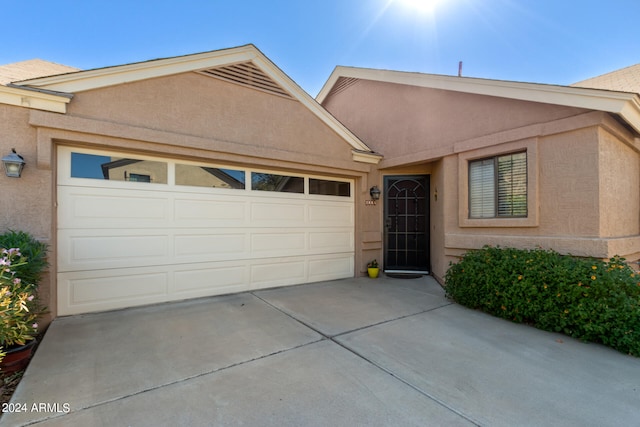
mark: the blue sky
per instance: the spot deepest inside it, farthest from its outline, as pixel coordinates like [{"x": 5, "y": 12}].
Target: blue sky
[{"x": 543, "y": 41}]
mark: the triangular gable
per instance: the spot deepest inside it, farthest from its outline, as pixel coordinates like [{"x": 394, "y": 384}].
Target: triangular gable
[
  {"x": 626, "y": 105},
  {"x": 244, "y": 65}
]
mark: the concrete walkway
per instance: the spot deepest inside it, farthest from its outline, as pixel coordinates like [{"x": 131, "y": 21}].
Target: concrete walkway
[{"x": 384, "y": 352}]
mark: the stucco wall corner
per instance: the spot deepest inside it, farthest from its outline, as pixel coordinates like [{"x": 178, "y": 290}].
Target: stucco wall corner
[{"x": 44, "y": 148}]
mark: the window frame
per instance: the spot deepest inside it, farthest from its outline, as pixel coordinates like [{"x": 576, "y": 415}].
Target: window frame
[
  {"x": 530, "y": 146},
  {"x": 495, "y": 192}
]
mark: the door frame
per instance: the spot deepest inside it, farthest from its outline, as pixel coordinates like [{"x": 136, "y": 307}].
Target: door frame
[{"x": 427, "y": 220}]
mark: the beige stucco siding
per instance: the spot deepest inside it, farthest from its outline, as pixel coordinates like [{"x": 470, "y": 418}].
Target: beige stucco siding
[
  {"x": 200, "y": 106},
  {"x": 619, "y": 187},
  {"x": 569, "y": 190},
  {"x": 399, "y": 120},
  {"x": 24, "y": 200}
]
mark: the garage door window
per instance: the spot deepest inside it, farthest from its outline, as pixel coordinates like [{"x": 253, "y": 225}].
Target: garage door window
[
  {"x": 329, "y": 188},
  {"x": 113, "y": 168},
  {"x": 278, "y": 183},
  {"x": 118, "y": 169},
  {"x": 206, "y": 176}
]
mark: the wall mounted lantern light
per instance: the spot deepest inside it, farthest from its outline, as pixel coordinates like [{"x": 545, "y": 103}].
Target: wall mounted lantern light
[
  {"x": 13, "y": 164},
  {"x": 375, "y": 193}
]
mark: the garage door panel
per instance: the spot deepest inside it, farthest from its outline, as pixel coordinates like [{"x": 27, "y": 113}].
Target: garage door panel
[
  {"x": 80, "y": 250},
  {"x": 331, "y": 215},
  {"x": 277, "y": 214},
  {"x": 330, "y": 240},
  {"x": 93, "y": 291},
  {"x": 111, "y": 248},
  {"x": 278, "y": 244},
  {"x": 222, "y": 278},
  {"x": 278, "y": 272},
  {"x": 331, "y": 267},
  {"x": 214, "y": 212},
  {"x": 87, "y": 207},
  {"x": 207, "y": 246}
]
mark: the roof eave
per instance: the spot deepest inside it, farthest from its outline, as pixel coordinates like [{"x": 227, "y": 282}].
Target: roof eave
[
  {"x": 630, "y": 112},
  {"x": 109, "y": 76},
  {"x": 36, "y": 99}
]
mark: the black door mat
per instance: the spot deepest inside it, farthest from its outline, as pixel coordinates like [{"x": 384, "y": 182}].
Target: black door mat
[{"x": 404, "y": 275}]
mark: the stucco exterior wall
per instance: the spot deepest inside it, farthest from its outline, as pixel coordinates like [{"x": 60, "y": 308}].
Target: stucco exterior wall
[
  {"x": 406, "y": 121},
  {"x": 587, "y": 202},
  {"x": 619, "y": 187},
  {"x": 27, "y": 202},
  {"x": 568, "y": 167},
  {"x": 23, "y": 199},
  {"x": 200, "y": 106}
]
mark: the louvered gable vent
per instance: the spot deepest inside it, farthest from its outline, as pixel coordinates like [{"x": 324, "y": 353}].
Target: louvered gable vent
[
  {"x": 247, "y": 74},
  {"x": 342, "y": 84}
]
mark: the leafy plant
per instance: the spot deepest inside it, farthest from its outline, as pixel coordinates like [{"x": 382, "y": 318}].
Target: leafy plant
[
  {"x": 19, "y": 308},
  {"x": 588, "y": 299},
  {"x": 373, "y": 264},
  {"x": 33, "y": 250}
]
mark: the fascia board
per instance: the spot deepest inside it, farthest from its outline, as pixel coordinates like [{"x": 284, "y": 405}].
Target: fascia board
[
  {"x": 35, "y": 99},
  {"x": 94, "y": 79},
  {"x": 631, "y": 113},
  {"x": 331, "y": 81}
]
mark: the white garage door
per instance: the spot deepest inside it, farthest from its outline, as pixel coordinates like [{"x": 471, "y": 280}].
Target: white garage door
[{"x": 136, "y": 230}]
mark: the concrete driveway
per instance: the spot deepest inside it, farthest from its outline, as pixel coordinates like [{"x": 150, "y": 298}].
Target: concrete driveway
[{"x": 386, "y": 352}]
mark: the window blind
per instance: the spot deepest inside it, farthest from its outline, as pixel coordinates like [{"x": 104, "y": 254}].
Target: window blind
[
  {"x": 512, "y": 185},
  {"x": 498, "y": 186},
  {"x": 482, "y": 189}
]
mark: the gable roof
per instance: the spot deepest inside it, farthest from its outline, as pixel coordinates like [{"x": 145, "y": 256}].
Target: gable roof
[
  {"x": 625, "y": 80},
  {"x": 624, "y": 104},
  {"x": 244, "y": 65}
]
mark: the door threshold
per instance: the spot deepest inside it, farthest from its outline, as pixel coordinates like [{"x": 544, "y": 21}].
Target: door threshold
[{"x": 407, "y": 271}]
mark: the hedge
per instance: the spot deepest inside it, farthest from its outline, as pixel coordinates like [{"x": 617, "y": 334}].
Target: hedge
[{"x": 588, "y": 299}]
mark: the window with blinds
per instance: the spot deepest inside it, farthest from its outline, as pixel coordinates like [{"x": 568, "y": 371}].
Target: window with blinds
[{"x": 498, "y": 187}]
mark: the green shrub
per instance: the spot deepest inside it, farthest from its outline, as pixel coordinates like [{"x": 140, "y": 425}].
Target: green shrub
[
  {"x": 33, "y": 250},
  {"x": 588, "y": 299}
]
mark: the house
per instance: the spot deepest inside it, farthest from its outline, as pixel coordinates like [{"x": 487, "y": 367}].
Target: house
[
  {"x": 215, "y": 173},
  {"x": 504, "y": 163},
  {"x": 179, "y": 178}
]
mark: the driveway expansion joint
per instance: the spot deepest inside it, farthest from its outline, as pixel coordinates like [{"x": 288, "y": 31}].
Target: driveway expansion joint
[
  {"x": 171, "y": 383},
  {"x": 334, "y": 339}
]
